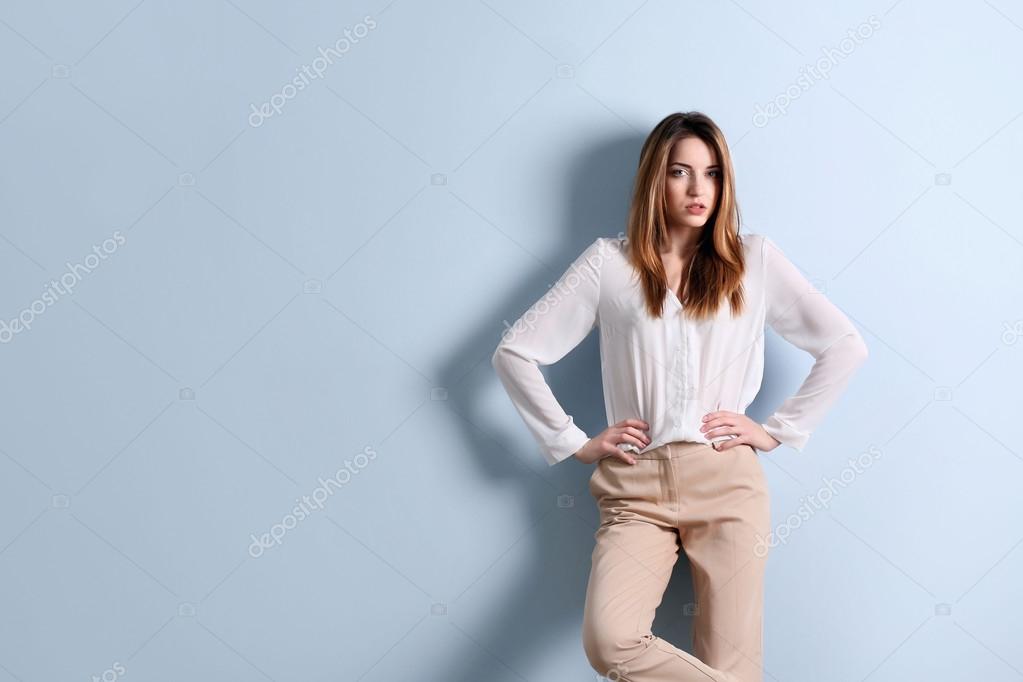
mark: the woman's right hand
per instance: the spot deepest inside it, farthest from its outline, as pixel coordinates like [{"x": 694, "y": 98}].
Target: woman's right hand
[{"x": 605, "y": 443}]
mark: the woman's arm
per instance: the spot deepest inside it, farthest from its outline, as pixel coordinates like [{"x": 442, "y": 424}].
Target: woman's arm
[
  {"x": 808, "y": 320},
  {"x": 545, "y": 333}
]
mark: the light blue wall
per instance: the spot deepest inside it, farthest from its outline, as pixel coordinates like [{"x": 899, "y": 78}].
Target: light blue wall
[{"x": 265, "y": 295}]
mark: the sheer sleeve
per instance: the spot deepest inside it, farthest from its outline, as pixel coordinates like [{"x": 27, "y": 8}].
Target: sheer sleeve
[
  {"x": 804, "y": 317},
  {"x": 545, "y": 333}
]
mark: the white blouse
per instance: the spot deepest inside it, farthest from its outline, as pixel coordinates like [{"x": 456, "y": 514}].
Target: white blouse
[{"x": 671, "y": 371}]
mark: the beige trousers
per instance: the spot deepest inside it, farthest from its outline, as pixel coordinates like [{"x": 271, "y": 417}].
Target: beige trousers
[{"x": 714, "y": 505}]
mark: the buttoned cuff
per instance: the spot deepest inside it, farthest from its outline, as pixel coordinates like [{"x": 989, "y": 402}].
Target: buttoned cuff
[
  {"x": 570, "y": 442},
  {"x": 786, "y": 433}
]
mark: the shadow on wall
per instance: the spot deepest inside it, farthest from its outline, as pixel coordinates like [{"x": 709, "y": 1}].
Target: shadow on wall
[{"x": 545, "y": 603}]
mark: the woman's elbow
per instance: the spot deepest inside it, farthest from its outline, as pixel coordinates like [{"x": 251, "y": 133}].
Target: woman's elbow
[
  {"x": 506, "y": 358},
  {"x": 855, "y": 349},
  {"x": 498, "y": 358},
  {"x": 863, "y": 350}
]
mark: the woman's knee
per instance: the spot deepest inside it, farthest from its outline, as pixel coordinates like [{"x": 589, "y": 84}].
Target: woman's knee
[{"x": 609, "y": 648}]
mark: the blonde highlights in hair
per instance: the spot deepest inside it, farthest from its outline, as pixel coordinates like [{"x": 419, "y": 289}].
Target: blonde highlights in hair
[{"x": 718, "y": 266}]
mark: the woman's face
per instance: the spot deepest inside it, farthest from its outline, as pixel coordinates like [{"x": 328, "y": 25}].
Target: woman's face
[{"x": 692, "y": 177}]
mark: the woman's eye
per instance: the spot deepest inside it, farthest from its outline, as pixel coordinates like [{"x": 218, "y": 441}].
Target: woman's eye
[{"x": 678, "y": 171}]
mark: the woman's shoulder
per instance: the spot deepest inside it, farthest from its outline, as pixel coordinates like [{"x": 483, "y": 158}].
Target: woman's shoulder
[
  {"x": 758, "y": 247},
  {"x": 612, "y": 242},
  {"x": 605, "y": 248},
  {"x": 752, "y": 242}
]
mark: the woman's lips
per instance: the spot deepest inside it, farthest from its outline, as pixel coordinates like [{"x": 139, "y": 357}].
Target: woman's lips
[{"x": 696, "y": 210}]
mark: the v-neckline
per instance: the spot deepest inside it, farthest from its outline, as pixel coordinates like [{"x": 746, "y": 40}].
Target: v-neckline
[
  {"x": 674, "y": 297},
  {"x": 672, "y": 294}
]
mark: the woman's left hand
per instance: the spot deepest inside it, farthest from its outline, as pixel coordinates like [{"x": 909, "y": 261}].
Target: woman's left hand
[{"x": 745, "y": 430}]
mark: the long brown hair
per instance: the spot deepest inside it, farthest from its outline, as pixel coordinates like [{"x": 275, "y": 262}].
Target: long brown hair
[{"x": 717, "y": 267}]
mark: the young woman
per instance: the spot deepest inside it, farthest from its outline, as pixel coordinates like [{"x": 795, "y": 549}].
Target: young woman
[{"x": 681, "y": 303}]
